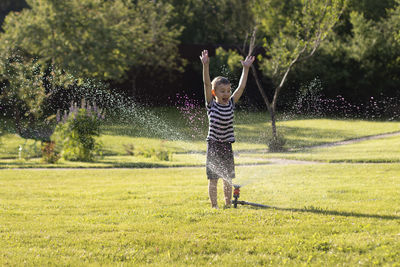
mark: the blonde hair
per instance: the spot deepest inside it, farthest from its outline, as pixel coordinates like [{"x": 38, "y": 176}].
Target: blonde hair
[{"x": 218, "y": 81}]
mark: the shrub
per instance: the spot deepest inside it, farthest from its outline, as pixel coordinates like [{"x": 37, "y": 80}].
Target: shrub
[
  {"x": 76, "y": 131},
  {"x": 129, "y": 149},
  {"x": 161, "y": 154},
  {"x": 27, "y": 151},
  {"x": 49, "y": 153}
]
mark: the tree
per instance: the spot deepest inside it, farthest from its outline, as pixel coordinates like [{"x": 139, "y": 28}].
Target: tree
[
  {"x": 26, "y": 90},
  {"x": 95, "y": 39},
  {"x": 212, "y": 21},
  {"x": 10, "y": 5},
  {"x": 360, "y": 63},
  {"x": 372, "y": 9},
  {"x": 394, "y": 21},
  {"x": 374, "y": 49},
  {"x": 56, "y": 43},
  {"x": 291, "y": 32}
]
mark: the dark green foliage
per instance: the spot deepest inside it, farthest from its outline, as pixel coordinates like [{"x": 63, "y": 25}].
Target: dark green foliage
[
  {"x": 7, "y": 6},
  {"x": 227, "y": 64},
  {"x": 135, "y": 43},
  {"x": 372, "y": 9},
  {"x": 213, "y": 21},
  {"x": 361, "y": 57},
  {"x": 26, "y": 92}
]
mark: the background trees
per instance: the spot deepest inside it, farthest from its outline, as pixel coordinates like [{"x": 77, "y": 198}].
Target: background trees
[
  {"x": 95, "y": 39},
  {"x": 358, "y": 61},
  {"x": 291, "y": 33},
  {"x": 6, "y": 6},
  {"x": 134, "y": 44},
  {"x": 56, "y": 43}
]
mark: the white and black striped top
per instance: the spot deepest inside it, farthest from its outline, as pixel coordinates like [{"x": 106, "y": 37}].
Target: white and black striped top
[{"x": 220, "y": 119}]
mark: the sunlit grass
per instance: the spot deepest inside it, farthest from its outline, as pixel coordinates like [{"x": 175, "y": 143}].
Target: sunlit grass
[
  {"x": 378, "y": 151},
  {"x": 310, "y": 132},
  {"x": 323, "y": 215},
  {"x": 177, "y": 160},
  {"x": 252, "y": 131}
]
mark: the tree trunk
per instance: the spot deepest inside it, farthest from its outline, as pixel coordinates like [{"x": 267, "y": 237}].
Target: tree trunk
[
  {"x": 270, "y": 106},
  {"x": 260, "y": 88},
  {"x": 273, "y": 122}
]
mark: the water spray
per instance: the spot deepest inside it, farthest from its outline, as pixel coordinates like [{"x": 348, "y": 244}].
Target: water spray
[{"x": 236, "y": 201}]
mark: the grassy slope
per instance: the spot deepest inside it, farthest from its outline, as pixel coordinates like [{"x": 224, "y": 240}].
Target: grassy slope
[
  {"x": 310, "y": 132},
  {"x": 251, "y": 132},
  {"x": 326, "y": 214},
  {"x": 377, "y": 151}
]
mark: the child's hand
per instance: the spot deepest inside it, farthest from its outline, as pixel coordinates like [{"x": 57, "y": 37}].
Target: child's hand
[
  {"x": 204, "y": 57},
  {"x": 248, "y": 61}
]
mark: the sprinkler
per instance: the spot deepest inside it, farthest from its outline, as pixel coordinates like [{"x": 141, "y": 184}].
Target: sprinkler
[
  {"x": 235, "y": 201},
  {"x": 236, "y": 194}
]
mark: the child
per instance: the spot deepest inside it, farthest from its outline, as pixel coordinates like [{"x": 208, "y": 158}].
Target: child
[{"x": 220, "y": 103}]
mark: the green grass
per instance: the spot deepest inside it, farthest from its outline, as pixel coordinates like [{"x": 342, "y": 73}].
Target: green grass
[
  {"x": 377, "y": 151},
  {"x": 252, "y": 132},
  {"x": 323, "y": 215},
  {"x": 178, "y": 160},
  {"x": 310, "y": 132}
]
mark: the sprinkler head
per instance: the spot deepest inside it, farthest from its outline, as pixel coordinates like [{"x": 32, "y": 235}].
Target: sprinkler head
[
  {"x": 236, "y": 194},
  {"x": 236, "y": 191}
]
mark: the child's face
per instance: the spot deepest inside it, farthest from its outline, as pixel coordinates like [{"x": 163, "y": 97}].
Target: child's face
[{"x": 223, "y": 93}]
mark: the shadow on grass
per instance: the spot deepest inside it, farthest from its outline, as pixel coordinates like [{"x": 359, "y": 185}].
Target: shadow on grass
[
  {"x": 28, "y": 165},
  {"x": 296, "y": 137},
  {"x": 321, "y": 211},
  {"x": 105, "y": 165},
  {"x": 113, "y": 164}
]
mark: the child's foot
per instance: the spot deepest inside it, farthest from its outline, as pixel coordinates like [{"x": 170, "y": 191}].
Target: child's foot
[
  {"x": 227, "y": 206},
  {"x": 215, "y": 207}
]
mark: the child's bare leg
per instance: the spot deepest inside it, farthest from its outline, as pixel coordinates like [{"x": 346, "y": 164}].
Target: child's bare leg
[
  {"x": 212, "y": 192},
  {"x": 228, "y": 192}
]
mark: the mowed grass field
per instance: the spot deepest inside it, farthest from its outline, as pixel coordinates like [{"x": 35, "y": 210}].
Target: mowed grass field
[
  {"x": 342, "y": 208},
  {"x": 321, "y": 215},
  {"x": 185, "y": 141}
]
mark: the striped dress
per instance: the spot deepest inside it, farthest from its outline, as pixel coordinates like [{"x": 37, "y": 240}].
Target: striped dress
[{"x": 220, "y": 118}]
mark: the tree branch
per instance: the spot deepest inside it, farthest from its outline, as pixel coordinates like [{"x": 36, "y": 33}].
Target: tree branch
[
  {"x": 252, "y": 41},
  {"x": 278, "y": 89},
  {"x": 260, "y": 88},
  {"x": 253, "y": 68}
]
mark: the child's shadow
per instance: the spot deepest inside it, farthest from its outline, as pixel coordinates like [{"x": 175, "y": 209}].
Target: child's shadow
[{"x": 331, "y": 212}]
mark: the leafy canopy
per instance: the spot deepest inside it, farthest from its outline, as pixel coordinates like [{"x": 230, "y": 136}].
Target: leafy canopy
[
  {"x": 293, "y": 29},
  {"x": 94, "y": 38}
]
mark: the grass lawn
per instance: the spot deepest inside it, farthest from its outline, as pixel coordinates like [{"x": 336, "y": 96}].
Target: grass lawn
[
  {"x": 324, "y": 214},
  {"x": 187, "y": 142},
  {"x": 377, "y": 151},
  {"x": 117, "y": 211}
]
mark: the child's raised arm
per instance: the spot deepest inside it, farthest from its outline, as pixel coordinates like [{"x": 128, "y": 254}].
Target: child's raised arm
[
  {"x": 206, "y": 76},
  {"x": 243, "y": 79}
]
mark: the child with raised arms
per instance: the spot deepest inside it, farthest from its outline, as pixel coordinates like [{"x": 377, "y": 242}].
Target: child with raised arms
[{"x": 220, "y": 103}]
